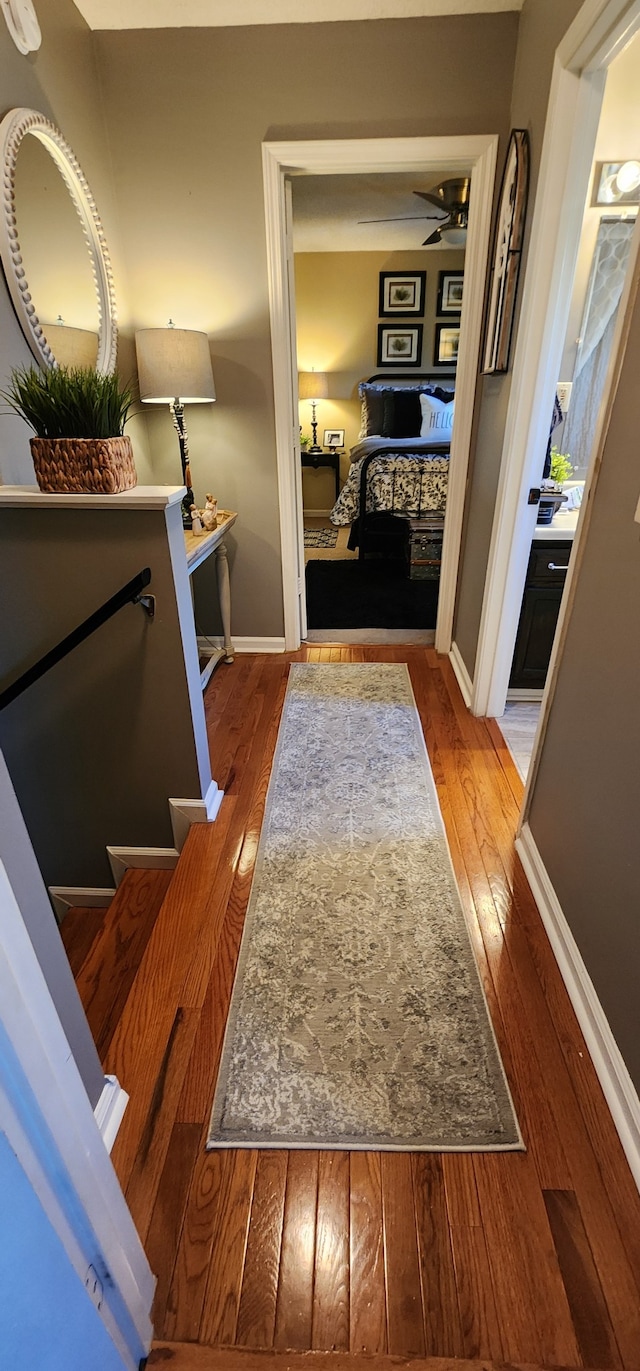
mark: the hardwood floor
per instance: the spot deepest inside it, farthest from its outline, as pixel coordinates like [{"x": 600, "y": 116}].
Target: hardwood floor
[{"x": 515, "y": 1257}]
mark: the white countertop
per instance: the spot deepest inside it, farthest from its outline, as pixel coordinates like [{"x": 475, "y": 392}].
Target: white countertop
[
  {"x": 140, "y": 497},
  {"x": 562, "y": 526}
]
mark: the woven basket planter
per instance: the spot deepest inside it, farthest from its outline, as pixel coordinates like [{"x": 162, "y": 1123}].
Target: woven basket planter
[{"x": 95, "y": 466}]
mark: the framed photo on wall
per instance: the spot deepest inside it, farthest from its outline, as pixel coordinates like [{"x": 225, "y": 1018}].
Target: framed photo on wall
[
  {"x": 402, "y": 293},
  {"x": 450, "y": 285},
  {"x": 446, "y": 344},
  {"x": 399, "y": 345}
]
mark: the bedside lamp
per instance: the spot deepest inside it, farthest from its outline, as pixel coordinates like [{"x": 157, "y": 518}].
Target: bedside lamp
[
  {"x": 313, "y": 386},
  {"x": 174, "y": 369}
]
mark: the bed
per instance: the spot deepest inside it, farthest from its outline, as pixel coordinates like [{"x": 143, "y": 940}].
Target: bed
[{"x": 400, "y": 466}]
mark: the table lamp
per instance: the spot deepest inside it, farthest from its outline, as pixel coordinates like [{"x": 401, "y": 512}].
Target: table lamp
[
  {"x": 313, "y": 386},
  {"x": 174, "y": 368}
]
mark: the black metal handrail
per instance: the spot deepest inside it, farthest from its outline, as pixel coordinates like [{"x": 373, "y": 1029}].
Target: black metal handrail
[{"x": 129, "y": 594}]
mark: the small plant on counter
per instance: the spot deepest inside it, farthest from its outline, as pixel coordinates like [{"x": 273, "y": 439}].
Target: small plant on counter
[
  {"x": 69, "y": 402},
  {"x": 78, "y": 416},
  {"x": 561, "y": 468}
]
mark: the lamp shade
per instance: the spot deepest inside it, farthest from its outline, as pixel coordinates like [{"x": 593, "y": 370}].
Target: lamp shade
[
  {"x": 72, "y": 347},
  {"x": 174, "y": 364},
  {"x": 313, "y": 385}
]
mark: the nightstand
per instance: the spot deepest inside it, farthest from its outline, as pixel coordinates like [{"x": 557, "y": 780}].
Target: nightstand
[{"x": 323, "y": 459}]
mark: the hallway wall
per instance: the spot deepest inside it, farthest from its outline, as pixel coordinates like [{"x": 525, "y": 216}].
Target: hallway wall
[
  {"x": 187, "y": 112},
  {"x": 542, "y": 25},
  {"x": 586, "y": 798}
]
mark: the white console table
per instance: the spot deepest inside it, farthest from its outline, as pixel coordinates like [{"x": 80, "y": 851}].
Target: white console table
[{"x": 198, "y": 548}]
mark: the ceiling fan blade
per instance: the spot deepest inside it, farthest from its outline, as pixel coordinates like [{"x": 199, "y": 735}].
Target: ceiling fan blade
[
  {"x": 399, "y": 219},
  {"x": 435, "y": 237}
]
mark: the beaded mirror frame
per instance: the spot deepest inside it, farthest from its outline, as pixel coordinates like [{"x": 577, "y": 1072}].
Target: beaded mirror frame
[{"x": 13, "y": 129}]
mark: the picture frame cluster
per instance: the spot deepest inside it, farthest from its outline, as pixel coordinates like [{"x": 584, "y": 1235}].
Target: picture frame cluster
[{"x": 402, "y": 297}]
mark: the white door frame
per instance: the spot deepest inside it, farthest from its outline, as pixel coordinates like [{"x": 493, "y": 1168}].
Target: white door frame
[
  {"x": 326, "y": 157},
  {"x": 47, "y": 1119},
  {"x": 599, "y": 32}
]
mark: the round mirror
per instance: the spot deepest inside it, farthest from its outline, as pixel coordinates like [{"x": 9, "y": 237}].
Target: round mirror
[{"x": 53, "y": 248}]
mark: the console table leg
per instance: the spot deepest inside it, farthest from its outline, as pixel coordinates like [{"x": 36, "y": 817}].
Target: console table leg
[{"x": 224, "y": 596}]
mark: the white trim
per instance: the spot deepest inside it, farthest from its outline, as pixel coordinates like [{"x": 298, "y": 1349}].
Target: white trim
[
  {"x": 524, "y": 693},
  {"x": 65, "y": 897},
  {"x": 597, "y": 34},
  {"x": 424, "y": 637},
  {"x": 184, "y": 813},
  {"x": 461, "y": 674},
  {"x": 109, "y": 1111},
  {"x": 324, "y": 157},
  {"x": 139, "y": 497},
  {"x": 618, "y": 1088},
  {"x": 242, "y": 645},
  {"x": 48, "y": 1120},
  {"x": 316, "y": 513},
  {"x": 123, "y": 859}
]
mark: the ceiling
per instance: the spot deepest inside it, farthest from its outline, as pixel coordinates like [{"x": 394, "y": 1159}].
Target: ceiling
[
  {"x": 326, "y": 210},
  {"x": 176, "y": 14}
]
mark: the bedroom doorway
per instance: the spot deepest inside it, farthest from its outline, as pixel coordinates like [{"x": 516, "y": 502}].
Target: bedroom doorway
[
  {"x": 474, "y": 157},
  {"x": 372, "y": 266}
]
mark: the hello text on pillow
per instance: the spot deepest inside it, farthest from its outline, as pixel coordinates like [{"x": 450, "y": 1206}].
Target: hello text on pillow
[{"x": 437, "y": 417}]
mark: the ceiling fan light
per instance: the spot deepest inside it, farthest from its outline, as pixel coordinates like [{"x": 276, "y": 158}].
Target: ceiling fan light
[
  {"x": 455, "y": 236},
  {"x": 628, "y": 177}
]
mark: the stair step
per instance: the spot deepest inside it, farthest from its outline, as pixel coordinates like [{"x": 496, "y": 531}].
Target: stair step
[
  {"x": 191, "y": 1356},
  {"x": 78, "y": 930},
  {"x": 108, "y": 969}
]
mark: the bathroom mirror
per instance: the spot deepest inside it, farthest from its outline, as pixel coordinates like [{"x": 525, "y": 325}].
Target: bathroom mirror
[{"x": 53, "y": 247}]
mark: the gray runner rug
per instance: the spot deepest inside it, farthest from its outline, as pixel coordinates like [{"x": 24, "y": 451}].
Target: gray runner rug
[{"x": 358, "y": 1018}]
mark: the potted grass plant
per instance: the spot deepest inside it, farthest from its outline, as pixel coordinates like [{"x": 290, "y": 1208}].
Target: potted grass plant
[{"x": 78, "y": 417}]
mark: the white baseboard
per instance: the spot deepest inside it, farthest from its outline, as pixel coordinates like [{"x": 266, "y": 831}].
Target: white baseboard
[
  {"x": 65, "y": 897},
  {"x": 109, "y": 1111},
  {"x": 522, "y": 693},
  {"x": 316, "y": 513},
  {"x": 367, "y": 637},
  {"x": 619, "y": 1090},
  {"x": 461, "y": 674},
  {"x": 245, "y": 644},
  {"x": 122, "y": 859},
  {"x": 184, "y": 813}
]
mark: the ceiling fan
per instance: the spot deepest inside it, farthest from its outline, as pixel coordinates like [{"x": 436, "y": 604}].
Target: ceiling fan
[{"x": 452, "y": 199}]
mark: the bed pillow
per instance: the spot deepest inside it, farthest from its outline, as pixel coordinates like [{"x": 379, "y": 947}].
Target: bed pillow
[
  {"x": 401, "y": 415},
  {"x": 371, "y": 409},
  {"x": 437, "y": 417}
]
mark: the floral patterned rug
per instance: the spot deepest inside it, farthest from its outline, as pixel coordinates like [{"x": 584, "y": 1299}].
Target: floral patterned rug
[{"x": 358, "y": 1018}]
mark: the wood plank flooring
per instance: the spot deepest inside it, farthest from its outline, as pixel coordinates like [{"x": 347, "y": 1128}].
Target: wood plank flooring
[{"x": 528, "y": 1258}]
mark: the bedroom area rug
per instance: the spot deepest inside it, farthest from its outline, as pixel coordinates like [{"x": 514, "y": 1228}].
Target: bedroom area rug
[
  {"x": 320, "y": 537},
  {"x": 358, "y": 1018},
  {"x": 375, "y": 593}
]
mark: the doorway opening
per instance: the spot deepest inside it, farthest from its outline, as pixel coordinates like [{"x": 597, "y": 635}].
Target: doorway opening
[{"x": 418, "y": 160}]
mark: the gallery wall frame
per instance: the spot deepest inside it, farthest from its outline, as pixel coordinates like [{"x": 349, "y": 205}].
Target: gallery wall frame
[
  {"x": 450, "y": 290},
  {"x": 446, "y": 344},
  {"x": 402, "y": 294},
  {"x": 507, "y": 254},
  {"x": 399, "y": 345}
]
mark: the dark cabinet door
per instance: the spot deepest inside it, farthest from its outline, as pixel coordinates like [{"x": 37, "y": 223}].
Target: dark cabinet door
[{"x": 536, "y": 631}]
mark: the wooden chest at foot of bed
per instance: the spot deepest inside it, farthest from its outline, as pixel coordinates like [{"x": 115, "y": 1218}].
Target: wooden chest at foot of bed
[{"x": 424, "y": 547}]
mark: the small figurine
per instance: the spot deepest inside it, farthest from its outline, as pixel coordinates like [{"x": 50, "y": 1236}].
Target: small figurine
[
  {"x": 210, "y": 513},
  {"x": 196, "y": 524}
]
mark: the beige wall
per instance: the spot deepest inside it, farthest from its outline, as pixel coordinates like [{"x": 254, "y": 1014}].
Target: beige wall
[
  {"x": 542, "y": 25},
  {"x": 586, "y": 799},
  {"x": 337, "y": 322},
  {"x": 187, "y": 112},
  {"x": 61, "y": 81}
]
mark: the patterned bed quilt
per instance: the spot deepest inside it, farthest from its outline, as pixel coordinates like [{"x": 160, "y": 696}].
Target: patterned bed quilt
[{"x": 400, "y": 483}]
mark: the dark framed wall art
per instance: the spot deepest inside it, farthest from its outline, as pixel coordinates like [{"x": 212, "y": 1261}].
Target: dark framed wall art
[
  {"x": 507, "y": 254},
  {"x": 402, "y": 293},
  {"x": 450, "y": 286},
  {"x": 446, "y": 344},
  {"x": 399, "y": 345}
]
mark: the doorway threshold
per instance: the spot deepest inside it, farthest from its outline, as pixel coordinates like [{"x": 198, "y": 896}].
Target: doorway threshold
[{"x": 392, "y": 637}]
